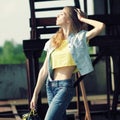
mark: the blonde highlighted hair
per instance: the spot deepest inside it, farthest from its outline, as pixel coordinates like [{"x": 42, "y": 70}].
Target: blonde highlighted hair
[
  {"x": 57, "y": 39},
  {"x": 76, "y": 26}
]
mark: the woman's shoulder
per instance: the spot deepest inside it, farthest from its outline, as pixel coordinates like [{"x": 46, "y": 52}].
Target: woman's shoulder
[{"x": 47, "y": 46}]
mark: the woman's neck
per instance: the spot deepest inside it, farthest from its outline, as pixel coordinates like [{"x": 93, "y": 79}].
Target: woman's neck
[
  {"x": 66, "y": 30},
  {"x": 66, "y": 33}
]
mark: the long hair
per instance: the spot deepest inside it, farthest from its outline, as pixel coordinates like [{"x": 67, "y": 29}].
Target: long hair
[{"x": 76, "y": 26}]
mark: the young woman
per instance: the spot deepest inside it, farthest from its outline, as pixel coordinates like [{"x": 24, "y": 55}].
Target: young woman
[{"x": 67, "y": 52}]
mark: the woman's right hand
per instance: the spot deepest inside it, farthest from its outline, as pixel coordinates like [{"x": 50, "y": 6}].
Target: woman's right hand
[
  {"x": 78, "y": 11},
  {"x": 33, "y": 102}
]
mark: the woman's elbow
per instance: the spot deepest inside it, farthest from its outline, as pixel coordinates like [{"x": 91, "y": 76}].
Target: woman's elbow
[{"x": 102, "y": 27}]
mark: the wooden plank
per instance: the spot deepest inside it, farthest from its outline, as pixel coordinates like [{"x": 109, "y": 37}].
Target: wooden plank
[
  {"x": 7, "y": 118},
  {"x": 71, "y": 111},
  {"x": 3, "y": 103},
  {"x": 5, "y": 109},
  {"x": 14, "y": 110},
  {"x": 14, "y": 102},
  {"x": 18, "y": 102}
]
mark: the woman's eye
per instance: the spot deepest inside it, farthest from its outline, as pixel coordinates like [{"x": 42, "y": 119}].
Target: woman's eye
[{"x": 61, "y": 14}]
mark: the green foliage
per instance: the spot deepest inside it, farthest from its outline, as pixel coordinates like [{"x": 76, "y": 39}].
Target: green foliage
[
  {"x": 42, "y": 58},
  {"x": 11, "y": 53}
]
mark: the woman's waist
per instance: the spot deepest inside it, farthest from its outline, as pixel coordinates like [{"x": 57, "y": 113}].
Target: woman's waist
[
  {"x": 60, "y": 83},
  {"x": 63, "y": 73}
]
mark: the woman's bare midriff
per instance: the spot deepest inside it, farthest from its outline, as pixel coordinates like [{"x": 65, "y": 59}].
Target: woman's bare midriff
[{"x": 63, "y": 72}]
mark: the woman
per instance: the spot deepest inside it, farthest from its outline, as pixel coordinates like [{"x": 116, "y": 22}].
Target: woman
[{"x": 67, "y": 53}]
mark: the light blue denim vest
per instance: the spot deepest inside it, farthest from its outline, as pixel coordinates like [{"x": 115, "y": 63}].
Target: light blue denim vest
[{"x": 79, "y": 51}]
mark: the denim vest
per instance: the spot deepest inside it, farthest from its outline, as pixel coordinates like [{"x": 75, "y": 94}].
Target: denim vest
[{"x": 79, "y": 51}]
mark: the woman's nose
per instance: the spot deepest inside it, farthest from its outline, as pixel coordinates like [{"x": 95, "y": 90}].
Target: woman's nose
[{"x": 57, "y": 16}]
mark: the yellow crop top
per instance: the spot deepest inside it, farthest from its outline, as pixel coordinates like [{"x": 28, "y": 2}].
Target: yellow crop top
[{"x": 61, "y": 56}]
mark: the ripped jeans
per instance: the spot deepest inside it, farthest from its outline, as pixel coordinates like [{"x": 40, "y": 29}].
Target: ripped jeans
[{"x": 59, "y": 94}]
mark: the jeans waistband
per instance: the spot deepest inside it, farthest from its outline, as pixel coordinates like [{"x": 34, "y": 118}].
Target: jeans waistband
[{"x": 60, "y": 83}]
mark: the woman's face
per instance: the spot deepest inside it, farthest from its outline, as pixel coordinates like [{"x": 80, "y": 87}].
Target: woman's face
[{"x": 62, "y": 18}]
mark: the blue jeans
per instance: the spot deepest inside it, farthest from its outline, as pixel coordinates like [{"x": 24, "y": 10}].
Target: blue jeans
[{"x": 59, "y": 94}]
